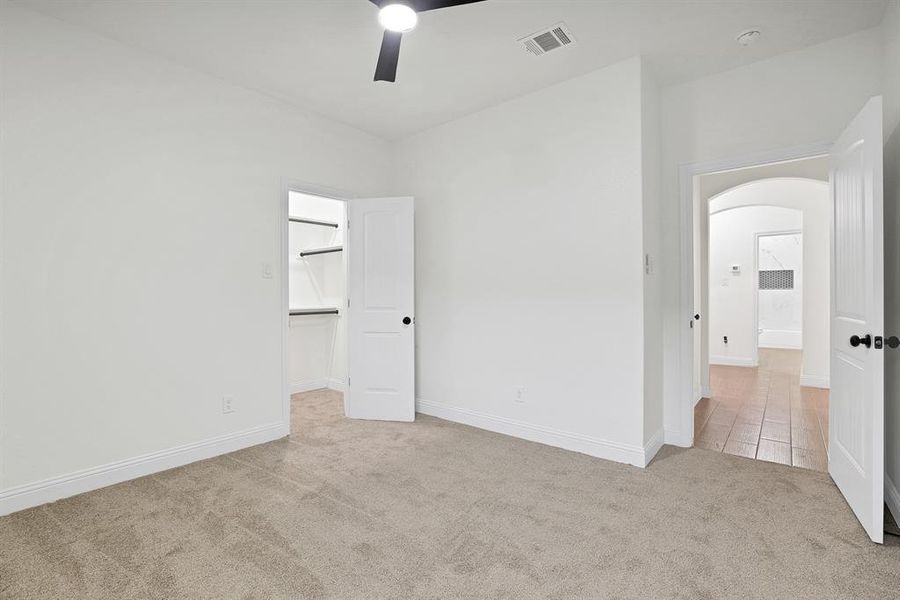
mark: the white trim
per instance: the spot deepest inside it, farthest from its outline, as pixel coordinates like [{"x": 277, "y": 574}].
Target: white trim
[
  {"x": 56, "y": 488},
  {"x": 705, "y": 391},
  {"x": 653, "y": 445},
  {"x": 892, "y": 497},
  {"x": 336, "y": 384},
  {"x": 577, "y": 442},
  {"x": 733, "y": 361},
  {"x": 309, "y": 385},
  {"x": 683, "y": 435},
  {"x": 677, "y": 437},
  {"x": 816, "y": 382}
]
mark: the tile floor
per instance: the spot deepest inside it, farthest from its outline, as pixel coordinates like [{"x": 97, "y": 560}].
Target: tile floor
[{"x": 763, "y": 413}]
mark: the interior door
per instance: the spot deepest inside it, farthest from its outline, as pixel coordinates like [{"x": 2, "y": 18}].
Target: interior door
[
  {"x": 856, "y": 411},
  {"x": 381, "y": 324}
]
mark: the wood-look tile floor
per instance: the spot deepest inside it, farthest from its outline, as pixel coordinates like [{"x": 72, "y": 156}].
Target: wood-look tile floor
[{"x": 763, "y": 413}]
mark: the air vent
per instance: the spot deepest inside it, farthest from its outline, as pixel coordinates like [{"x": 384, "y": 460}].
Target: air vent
[
  {"x": 549, "y": 39},
  {"x": 780, "y": 279}
]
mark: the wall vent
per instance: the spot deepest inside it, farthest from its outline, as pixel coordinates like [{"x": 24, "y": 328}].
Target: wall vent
[
  {"x": 548, "y": 39},
  {"x": 779, "y": 279}
]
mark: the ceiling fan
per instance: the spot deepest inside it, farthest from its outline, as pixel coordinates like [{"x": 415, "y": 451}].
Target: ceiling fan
[{"x": 397, "y": 17}]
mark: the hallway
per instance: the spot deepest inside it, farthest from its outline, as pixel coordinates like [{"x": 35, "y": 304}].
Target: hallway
[{"x": 763, "y": 413}]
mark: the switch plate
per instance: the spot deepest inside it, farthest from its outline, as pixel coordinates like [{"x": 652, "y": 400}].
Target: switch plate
[
  {"x": 521, "y": 391},
  {"x": 266, "y": 270},
  {"x": 227, "y": 405}
]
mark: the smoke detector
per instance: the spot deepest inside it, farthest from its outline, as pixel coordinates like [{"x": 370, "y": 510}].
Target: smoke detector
[
  {"x": 547, "y": 40},
  {"x": 748, "y": 38}
]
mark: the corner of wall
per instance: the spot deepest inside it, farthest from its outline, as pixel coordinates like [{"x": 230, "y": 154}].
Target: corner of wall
[{"x": 651, "y": 245}]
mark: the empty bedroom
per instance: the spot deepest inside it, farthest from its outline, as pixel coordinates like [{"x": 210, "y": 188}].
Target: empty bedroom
[{"x": 424, "y": 299}]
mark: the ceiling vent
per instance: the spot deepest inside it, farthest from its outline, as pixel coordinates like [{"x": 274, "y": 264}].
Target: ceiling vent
[{"x": 547, "y": 40}]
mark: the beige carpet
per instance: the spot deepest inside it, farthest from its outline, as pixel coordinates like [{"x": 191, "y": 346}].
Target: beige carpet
[{"x": 351, "y": 509}]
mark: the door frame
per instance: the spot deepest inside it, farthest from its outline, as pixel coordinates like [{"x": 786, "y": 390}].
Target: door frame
[
  {"x": 283, "y": 243},
  {"x": 773, "y": 233},
  {"x": 681, "y": 432}
]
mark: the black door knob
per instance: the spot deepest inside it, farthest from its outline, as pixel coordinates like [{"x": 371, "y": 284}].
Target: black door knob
[
  {"x": 697, "y": 317},
  {"x": 866, "y": 341},
  {"x": 407, "y": 320},
  {"x": 892, "y": 341}
]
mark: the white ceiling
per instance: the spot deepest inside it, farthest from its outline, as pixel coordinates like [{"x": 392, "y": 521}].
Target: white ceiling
[{"x": 320, "y": 54}]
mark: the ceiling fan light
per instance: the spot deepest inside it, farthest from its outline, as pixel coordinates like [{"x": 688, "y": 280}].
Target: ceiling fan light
[{"x": 397, "y": 17}]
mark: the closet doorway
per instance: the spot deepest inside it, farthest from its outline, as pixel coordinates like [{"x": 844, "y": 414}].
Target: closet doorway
[
  {"x": 348, "y": 291},
  {"x": 317, "y": 300}
]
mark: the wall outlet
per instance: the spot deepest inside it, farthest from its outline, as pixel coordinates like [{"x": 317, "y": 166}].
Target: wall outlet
[
  {"x": 266, "y": 270},
  {"x": 520, "y": 391},
  {"x": 227, "y": 405}
]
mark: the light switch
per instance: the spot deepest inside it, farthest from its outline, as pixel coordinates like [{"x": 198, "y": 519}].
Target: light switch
[{"x": 267, "y": 270}]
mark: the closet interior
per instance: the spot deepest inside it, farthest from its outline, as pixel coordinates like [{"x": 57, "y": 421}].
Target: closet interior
[{"x": 317, "y": 296}]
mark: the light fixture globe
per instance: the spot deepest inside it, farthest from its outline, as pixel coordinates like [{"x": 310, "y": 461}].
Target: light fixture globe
[{"x": 397, "y": 17}]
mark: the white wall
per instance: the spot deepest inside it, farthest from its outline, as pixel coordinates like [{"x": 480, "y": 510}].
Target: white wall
[
  {"x": 529, "y": 264},
  {"x": 317, "y": 352},
  {"x": 810, "y": 198},
  {"x": 732, "y": 301},
  {"x": 140, "y": 201},
  {"x": 800, "y": 98},
  {"x": 891, "y": 74}
]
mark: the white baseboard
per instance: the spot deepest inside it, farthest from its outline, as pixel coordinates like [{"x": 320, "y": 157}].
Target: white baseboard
[
  {"x": 675, "y": 437},
  {"x": 705, "y": 391},
  {"x": 336, "y": 384},
  {"x": 309, "y": 385},
  {"x": 892, "y": 498},
  {"x": 816, "y": 382},
  {"x": 56, "y": 488},
  {"x": 733, "y": 361},
  {"x": 623, "y": 453},
  {"x": 653, "y": 445}
]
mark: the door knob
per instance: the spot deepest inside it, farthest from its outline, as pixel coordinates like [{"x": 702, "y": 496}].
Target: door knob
[
  {"x": 892, "y": 341},
  {"x": 866, "y": 340},
  {"x": 407, "y": 320}
]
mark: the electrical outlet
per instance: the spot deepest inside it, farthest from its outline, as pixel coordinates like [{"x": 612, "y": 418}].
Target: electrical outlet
[
  {"x": 520, "y": 393},
  {"x": 227, "y": 405},
  {"x": 266, "y": 270}
]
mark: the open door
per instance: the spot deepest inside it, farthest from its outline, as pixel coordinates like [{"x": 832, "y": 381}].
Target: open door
[
  {"x": 381, "y": 323},
  {"x": 856, "y": 412}
]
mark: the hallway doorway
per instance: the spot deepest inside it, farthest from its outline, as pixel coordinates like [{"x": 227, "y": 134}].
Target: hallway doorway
[{"x": 763, "y": 413}]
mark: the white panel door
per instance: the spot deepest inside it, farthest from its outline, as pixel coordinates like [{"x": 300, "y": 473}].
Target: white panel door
[
  {"x": 856, "y": 412},
  {"x": 381, "y": 321}
]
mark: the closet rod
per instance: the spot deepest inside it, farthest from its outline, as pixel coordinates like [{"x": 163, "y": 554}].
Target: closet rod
[
  {"x": 313, "y": 311},
  {"x": 322, "y": 251},
  {"x": 312, "y": 222}
]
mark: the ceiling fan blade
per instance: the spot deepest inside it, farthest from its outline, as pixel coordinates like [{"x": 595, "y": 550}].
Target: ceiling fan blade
[
  {"x": 423, "y": 5},
  {"x": 386, "y": 69}
]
